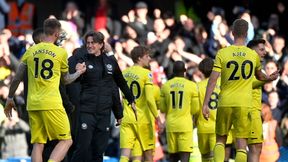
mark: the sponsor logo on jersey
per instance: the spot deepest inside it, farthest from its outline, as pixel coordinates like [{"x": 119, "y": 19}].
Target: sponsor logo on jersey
[
  {"x": 150, "y": 75},
  {"x": 84, "y": 126},
  {"x": 90, "y": 66},
  {"x": 109, "y": 68}
]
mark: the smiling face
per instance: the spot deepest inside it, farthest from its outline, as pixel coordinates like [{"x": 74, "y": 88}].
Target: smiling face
[{"x": 92, "y": 46}]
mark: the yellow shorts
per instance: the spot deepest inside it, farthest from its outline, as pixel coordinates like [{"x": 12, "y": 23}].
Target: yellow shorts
[
  {"x": 137, "y": 149},
  {"x": 49, "y": 124},
  {"x": 179, "y": 142},
  {"x": 144, "y": 133},
  {"x": 229, "y": 138},
  {"x": 256, "y": 132},
  {"x": 238, "y": 116},
  {"x": 206, "y": 142}
]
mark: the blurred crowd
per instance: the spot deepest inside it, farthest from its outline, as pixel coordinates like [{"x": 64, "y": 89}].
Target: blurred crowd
[{"x": 172, "y": 36}]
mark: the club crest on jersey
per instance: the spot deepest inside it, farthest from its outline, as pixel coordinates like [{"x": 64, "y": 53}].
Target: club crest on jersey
[
  {"x": 90, "y": 66},
  {"x": 109, "y": 68},
  {"x": 150, "y": 75},
  {"x": 84, "y": 126}
]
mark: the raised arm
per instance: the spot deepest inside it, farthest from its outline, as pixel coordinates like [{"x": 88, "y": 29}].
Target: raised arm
[{"x": 190, "y": 56}]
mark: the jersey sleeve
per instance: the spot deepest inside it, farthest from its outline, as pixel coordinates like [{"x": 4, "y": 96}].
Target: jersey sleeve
[
  {"x": 157, "y": 95},
  {"x": 150, "y": 98},
  {"x": 257, "y": 83},
  {"x": 163, "y": 106},
  {"x": 195, "y": 100},
  {"x": 217, "y": 64},
  {"x": 64, "y": 62}
]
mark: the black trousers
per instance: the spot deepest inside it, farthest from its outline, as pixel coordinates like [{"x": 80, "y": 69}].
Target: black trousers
[{"x": 92, "y": 137}]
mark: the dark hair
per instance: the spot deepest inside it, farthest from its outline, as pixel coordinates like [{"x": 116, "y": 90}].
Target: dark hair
[
  {"x": 253, "y": 43},
  {"x": 36, "y": 35},
  {"x": 240, "y": 28},
  {"x": 97, "y": 37},
  {"x": 168, "y": 15},
  {"x": 273, "y": 62},
  {"x": 179, "y": 67},
  {"x": 51, "y": 26},
  {"x": 139, "y": 52},
  {"x": 206, "y": 66}
]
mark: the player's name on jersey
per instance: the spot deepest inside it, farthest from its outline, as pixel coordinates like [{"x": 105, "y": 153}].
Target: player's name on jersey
[
  {"x": 131, "y": 75},
  {"x": 44, "y": 51},
  {"x": 239, "y": 54},
  {"x": 177, "y": 85}
]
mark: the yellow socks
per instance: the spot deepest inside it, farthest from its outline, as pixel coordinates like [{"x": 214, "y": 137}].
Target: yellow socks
[
  {"x": 136, "y": 161},
  {"x": 241, "y": 155},
  {"x": 210, "y": 159},
  {"x": 219, "y": 152},
  {"x": 124, "y": 159}
]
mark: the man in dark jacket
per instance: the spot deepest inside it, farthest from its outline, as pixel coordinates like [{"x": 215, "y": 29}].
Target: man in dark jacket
[{"x": 99, "y": 95}]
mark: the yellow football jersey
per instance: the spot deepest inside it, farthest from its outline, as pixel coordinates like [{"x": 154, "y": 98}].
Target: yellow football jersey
[
  {"x": 179, "y": 101},
  {"x": 237, "y": 65},
  {"x": 45, "y": 63},
  {"x": 257, "y": 93},
  {"x": 156, "y": 92},
  {"x": 140, "y": 82},
  {"x": 203, "y": 125}
]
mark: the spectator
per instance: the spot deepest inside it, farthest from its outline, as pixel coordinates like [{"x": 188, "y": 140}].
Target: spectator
[
  {"x": 4, "y": 8},
  {"x": 74, "y": 15},
  {"x": 22, "y": 17},
  {"x": 12, "y": 131},
  {"x": 279, "y": 54},
  {"x": 284, "y": 129},
  {"x": 270, "y": 149},
  {"x": 142, "y": 22},
  {"x": 274, "y": 102}
]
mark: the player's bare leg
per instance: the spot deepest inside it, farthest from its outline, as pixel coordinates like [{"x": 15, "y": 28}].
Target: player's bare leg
[
  {"x": 254, "y": 152},
  {"x": 37, "y": 151},
  {"x": 60, "y": 150},
  {"x": 125, "y": 154},
  {"x": 184, "y": 156},
  {"x": 241, "y": 153},
  {"x": 148, "y": 155}
]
